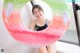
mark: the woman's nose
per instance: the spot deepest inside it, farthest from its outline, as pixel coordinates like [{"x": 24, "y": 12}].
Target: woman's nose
[{"x": 37, "y": 13}]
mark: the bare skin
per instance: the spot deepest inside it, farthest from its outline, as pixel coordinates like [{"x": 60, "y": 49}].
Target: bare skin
[
  {"x": 40, "y": 21},
  {"x": 48, "y": 49}
]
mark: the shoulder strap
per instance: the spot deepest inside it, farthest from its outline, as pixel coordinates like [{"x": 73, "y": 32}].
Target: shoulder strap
[{"x": 46, "y": 21}]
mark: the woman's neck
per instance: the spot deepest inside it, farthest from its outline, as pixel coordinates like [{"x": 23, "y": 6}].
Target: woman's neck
[{"x": 40, "y": 19}]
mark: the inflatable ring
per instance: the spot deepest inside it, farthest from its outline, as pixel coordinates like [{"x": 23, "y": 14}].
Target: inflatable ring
[{"x": 53, "y": 33}]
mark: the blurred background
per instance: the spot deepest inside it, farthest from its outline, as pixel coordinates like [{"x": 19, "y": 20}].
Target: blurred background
[{"x": 69, "y": 43}]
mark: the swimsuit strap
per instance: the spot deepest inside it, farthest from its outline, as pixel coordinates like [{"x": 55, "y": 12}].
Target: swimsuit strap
[{"x": 39, "y": 27}]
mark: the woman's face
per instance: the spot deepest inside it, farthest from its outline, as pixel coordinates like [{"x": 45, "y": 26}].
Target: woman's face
[{"x": 38, "y": 13}]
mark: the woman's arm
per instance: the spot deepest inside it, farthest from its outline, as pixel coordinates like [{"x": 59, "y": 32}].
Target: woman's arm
[{"x": 32, "y": 24}]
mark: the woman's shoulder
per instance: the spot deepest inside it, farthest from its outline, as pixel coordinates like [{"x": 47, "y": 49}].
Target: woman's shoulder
[
  {"x": 48, "y": 21},
  {"x": 33, "y": 22}
]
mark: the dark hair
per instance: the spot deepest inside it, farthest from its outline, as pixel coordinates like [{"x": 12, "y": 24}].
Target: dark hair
[{"x": 36, "y": 6}]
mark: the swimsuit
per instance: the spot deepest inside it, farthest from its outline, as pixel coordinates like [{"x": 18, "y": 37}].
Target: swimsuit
[{"x": 39, "y": 28}]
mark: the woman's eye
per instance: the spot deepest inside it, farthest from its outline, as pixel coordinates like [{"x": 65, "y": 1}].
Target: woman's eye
[{"x": 35, "y": 12}]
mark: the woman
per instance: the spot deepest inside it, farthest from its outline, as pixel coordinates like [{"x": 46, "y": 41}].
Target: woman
[{"x": 40, "y": 23}]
